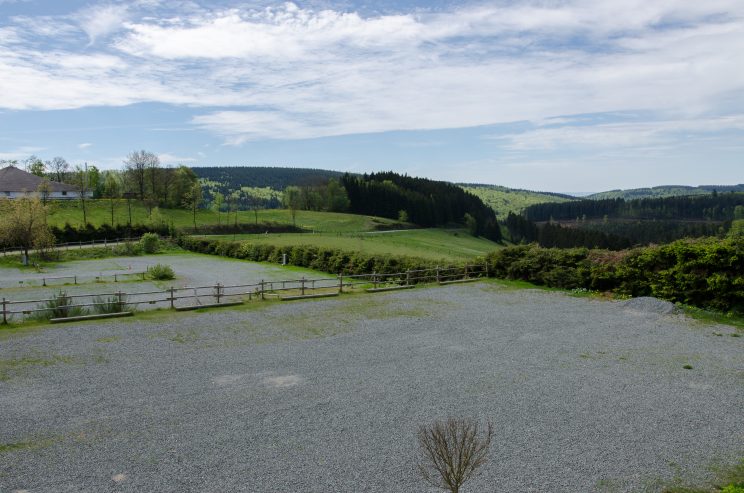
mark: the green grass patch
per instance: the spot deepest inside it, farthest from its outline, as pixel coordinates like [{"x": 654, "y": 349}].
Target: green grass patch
[
  {"x": 99, "y": 213},
  {"x": 712, "y": 317},
  {"x": 17, "y": 367},
  {"x": 108, "y": 339},
  {"x": 433, "y": 244},
  {"x": 505, "y": 200},
  {"x": 26, "y": 445}
]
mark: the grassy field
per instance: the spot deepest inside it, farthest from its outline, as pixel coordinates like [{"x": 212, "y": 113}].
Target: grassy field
[
  {"x": 425, "y": 243},
  {"x": 505, "y": 200},
  {"x": 99, "y": 212}
]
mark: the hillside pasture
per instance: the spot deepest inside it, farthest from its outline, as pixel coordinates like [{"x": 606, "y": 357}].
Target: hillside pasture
[
  {"x": 435, "y": 244},
  {"x": 505, "y": 200},
  {"x": 99, "y": 212}
]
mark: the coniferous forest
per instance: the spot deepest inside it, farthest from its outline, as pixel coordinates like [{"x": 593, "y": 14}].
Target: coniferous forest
[{"x": 420, "y": 201}]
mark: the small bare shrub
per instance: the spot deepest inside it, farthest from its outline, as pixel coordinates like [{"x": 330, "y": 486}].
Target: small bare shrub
[{"x": 451, "y": 451}]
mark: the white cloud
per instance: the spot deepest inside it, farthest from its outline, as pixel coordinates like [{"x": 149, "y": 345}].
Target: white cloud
[
  {"x": 20, "y": 153},
  {"x": 167, "y": 158},
  {"x": 102, "y": 20},
  {"x": 288, "y": 72},
  {"x": 85, "y": 145},
  {"x": 618, "y": 135}
]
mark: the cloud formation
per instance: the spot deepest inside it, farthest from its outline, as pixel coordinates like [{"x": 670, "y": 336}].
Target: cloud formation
[{"x": 286, "y": 72}]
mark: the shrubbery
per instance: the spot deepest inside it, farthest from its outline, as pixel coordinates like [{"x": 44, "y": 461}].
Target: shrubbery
[
  {"x": 161, "y": 272},
  {"x": 322, "y": 259},
  {"x": 708, "y": 273},
  {"x": 150, "y": 243}
]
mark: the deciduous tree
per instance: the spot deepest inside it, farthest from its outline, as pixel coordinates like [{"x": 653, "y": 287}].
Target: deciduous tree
[
  {"x": 24, "y": 224},
  {"x": 452, "y": 451}
]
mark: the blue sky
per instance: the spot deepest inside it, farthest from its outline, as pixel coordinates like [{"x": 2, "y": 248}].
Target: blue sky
[{"x": 569, "y": 95}]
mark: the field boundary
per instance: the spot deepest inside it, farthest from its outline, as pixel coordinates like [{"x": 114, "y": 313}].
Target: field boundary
[{"x": 221, "y": 295}]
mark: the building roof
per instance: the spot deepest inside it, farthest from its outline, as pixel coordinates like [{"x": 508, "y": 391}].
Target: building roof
[{"x": 13, "y": 179}]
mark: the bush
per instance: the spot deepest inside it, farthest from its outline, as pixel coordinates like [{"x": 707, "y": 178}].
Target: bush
[
  {"x": 113, "y": 304},
  {"x": 161, "y": 272},
  {"x": 60, "y": 306},
  {"x": 707, "y": 273},
  {"x": 150, "y": 243},
  {"x": 128, "y": 248}
]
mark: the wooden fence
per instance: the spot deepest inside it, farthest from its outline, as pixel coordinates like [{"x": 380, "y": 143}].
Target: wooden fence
[
  {"x": 174, "y": 298},
  {"x": 76, "y": 244}
]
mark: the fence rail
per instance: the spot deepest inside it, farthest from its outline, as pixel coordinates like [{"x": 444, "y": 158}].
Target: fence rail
[{"x": 66, "y": 305}]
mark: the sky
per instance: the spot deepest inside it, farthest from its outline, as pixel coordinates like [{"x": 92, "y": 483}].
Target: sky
[{"x": 566, "y": 96}]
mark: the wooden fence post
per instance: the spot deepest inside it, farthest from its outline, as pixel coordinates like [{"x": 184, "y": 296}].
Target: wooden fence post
[
  {"x": 486, "y": 269},
  {"x": 408, "y": 277},
  {"x": 119, "y": 296},
  {"x": 340, "y": 284},
  {"x": 75, "y": 278},
  {"x": 438, "y": 274},
  {"x": 218, "y": 291},
  {"x": 5, "y": 311},
  {"x": 374, "y": 279},
  {"x": 302, "y": 286},
  {"x": 466, "y": 271},
  {"x": 262, "y": 289},
  {"x": 172, "y": 299}
]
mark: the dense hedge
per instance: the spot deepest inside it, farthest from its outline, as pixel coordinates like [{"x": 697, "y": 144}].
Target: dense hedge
[
  {"x": 322, "y": 259},
  {"x": 708, "y": 273},
  {"x": 71, "y": 234}
]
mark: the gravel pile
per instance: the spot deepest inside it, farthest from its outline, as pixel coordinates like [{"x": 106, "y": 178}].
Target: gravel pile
[
  {"x": 651, "y": 305},
  {"x": 327, "y": 396}
]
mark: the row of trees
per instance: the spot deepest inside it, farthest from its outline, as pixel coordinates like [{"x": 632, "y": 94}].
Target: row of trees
[{"x": 712, "y": 207}]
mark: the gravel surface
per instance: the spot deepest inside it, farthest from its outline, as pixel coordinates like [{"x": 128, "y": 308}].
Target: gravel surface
[
  {"x": 326, "y": 395},
  {"x": 190, "y": 269}
]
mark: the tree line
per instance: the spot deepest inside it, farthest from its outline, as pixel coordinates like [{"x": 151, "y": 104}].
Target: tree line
[
  {"x": 712, "y": 207},
  {"x": 420, "y": 201}
]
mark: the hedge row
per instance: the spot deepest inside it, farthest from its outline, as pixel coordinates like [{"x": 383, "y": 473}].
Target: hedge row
[
  {"x": 71, "y": 234},
  {"x": 707, "y": 273},
  {"x": 323, "y": 259}
]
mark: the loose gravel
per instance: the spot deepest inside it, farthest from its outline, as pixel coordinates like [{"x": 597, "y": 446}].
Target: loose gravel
[
  {"x": 191, "y": 270},
  {"x": 327, "y": 395}
]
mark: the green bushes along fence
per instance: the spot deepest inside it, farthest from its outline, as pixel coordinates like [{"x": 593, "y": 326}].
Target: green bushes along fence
[{"x": 708, "y": 273}]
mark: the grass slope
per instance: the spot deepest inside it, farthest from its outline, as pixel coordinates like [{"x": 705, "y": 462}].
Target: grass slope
[
  {"x": 432, "y": 244},
  {"x": 663, "y": 191},
  {"x": 504, "y": 200},
  {"x": 99, "y": 212}
]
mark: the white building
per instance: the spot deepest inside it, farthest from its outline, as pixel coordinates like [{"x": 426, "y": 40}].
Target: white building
[{"x": 15, "y": 183}]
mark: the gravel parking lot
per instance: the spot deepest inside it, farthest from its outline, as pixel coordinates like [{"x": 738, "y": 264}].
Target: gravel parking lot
[
  {"x": 326, "y": 395},
  {"x": 191, "y": 270}
]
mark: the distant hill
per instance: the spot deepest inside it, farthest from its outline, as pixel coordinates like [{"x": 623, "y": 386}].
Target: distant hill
[
  {"x": 276, "y": 178},
  {"x": 663, "y": 191},
  {"x": 504, "y": 200}
]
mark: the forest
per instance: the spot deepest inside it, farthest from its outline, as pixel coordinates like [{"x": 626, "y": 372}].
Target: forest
[
  {"x": 420, "y": 201},
  {"x": 713, "y": 207},
  {"x": 229, "y": 178}
]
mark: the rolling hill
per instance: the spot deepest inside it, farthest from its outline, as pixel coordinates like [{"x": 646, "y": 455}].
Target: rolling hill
[
  {"x": 664, "y": 191},
  {"x": 504, "y": 200}
]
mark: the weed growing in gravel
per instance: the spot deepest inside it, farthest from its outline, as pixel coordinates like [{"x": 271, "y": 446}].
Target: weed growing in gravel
[
  {"x": 61, "y": 305},
  {"x": 29, "y": 444},
  {"x": 13, "y": 368},
  {"x": 687, "y": 367},
  {"x": 112, "y": 304}
]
